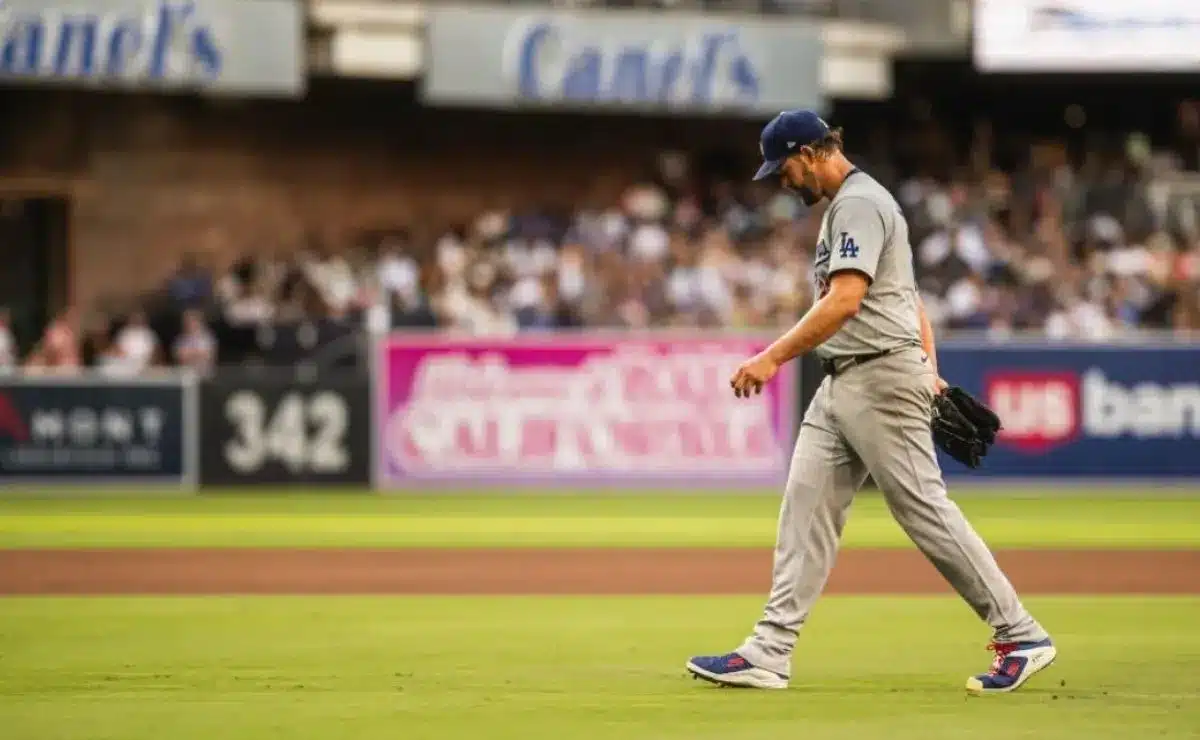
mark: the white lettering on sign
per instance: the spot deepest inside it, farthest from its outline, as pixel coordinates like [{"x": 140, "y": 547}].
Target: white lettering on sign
[
  {"x": 1143, "y": 410},
  {"x": 622, "y": 412},
  {"x": 85, "y": 426},
  {"x": 1043, "y": 409}
]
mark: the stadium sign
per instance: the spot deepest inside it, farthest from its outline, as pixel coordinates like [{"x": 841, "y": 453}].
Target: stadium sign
[
  {"x": 552, "y": 63},
  {"x": 1080, "y": 411},
  {"x": 579, "y": 410},
  {"x": 97, "y": 430},
  {"x": 621, "y": 61},
  {"x": 270, "y": 428},
  {"x": 1045, "y": 410},
  {"x": 1087, "y": 36},
  {"x": 219, "y": 46}
]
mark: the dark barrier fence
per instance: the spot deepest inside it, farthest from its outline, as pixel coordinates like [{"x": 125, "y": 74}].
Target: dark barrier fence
[
  {"x": 96, "y": 431},
  {"x": 284, "y": 428},
  {"x": 621, "y": 412}
]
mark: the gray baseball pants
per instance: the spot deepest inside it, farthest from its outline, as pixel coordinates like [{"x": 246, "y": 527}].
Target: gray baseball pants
[{"x": 874, "y": 419}]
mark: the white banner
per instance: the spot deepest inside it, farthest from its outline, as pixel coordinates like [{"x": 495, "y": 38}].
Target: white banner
[
  {"x": 1087, "y": 36},
  {"x": 219, "y": 47},
  {"x": 621, "y": 61}
]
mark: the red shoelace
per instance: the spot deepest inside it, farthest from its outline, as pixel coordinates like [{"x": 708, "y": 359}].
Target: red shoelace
[{"x": 1001, "y": 649}]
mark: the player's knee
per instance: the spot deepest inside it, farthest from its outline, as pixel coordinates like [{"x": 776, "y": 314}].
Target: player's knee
[{"x": 912, "y": 503}]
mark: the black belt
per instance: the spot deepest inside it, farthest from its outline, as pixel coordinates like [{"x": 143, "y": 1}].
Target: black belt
[{"x": 830, "y": 366}]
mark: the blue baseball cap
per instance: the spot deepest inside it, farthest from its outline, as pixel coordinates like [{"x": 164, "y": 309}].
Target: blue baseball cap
[{"x": 786, "y": 133}]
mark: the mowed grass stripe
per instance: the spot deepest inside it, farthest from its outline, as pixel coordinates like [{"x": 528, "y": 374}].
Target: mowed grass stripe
[{"x": 1013, "y": 521}]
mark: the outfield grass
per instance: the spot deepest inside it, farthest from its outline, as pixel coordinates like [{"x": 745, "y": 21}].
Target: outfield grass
[
  {"x": 1006, "y": 519},
  {"x": 584, "y": 668}
]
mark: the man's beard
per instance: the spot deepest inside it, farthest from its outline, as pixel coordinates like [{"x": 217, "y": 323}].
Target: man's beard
[
  {"x": 808, "y": 195},
  {"x": 811, "y": 196}
]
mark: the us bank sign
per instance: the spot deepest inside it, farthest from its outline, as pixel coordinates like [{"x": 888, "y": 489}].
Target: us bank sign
[
  {"x": 219, "y": 46},
  {"x": 620, "y": 61}
]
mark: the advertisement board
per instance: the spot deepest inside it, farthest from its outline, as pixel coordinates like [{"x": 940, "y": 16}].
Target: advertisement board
[
  {"x": 272, "y": 428},
  {"x": 621, "y": 61},
  {"x": 228, "y": 47},
  {"x": 83, "y": 431},
  {"x": 1085, "y": 412},
  {"x": 584, "y": 410},
  {"x": 1086, "y": 36}
]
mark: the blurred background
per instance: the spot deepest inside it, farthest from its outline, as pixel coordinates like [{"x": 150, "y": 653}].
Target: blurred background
[
  {"x": 498, "y": 260},
  {"x": 332, "y": 197}
]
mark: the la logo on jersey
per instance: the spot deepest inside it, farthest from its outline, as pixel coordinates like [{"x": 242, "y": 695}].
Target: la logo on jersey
[
  {"x": 847, "y": 249},
  {"x": 1041, "y": 410}
]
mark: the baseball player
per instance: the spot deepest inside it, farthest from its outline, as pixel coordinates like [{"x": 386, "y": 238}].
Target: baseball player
[{"x": 871, "y": 415}]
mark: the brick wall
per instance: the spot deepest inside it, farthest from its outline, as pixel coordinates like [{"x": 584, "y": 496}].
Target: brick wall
[{"x": 154, "y": 177}]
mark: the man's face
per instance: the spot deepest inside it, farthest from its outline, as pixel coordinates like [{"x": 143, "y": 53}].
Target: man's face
[{"x": 798, "y": 176}]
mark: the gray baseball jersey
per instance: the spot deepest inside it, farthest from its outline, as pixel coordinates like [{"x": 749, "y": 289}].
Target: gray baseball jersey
[{"x": 863, "y": 229}]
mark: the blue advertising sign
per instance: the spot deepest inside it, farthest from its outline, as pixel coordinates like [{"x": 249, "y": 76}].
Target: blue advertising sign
[
  {"x": 688, "y": 64},
  {"x": 1089, "y": 412},
  {"x": 219, "y": 46},
  {"x": 95, "y": 431}
]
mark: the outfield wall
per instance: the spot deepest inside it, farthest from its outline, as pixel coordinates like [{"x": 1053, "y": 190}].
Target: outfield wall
[{"x": 576, "y": 411}]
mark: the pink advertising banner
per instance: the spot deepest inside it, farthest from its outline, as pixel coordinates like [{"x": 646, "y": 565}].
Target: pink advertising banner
[{"x": 577, "y": 409}]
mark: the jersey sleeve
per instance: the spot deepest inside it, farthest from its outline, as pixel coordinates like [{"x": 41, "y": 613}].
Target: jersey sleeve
[{"x": 857, "y": 229}]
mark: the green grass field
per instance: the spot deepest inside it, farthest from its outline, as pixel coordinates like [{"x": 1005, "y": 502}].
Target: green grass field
[
  {"x": 404, "y": 668},
  {"x": 580, "y": 668},
  {"x": 1004, "y": 518}
]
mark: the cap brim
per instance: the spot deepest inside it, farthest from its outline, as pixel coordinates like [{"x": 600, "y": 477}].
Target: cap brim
[{"x": 770, "y": 167}]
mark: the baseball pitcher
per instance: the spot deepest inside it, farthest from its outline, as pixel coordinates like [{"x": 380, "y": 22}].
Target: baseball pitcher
[{"x": 872, "y": 415}]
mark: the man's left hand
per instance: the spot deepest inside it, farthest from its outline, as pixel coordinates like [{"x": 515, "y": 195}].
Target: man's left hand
[
  {"x": 753, "y": 374},
  {"x": 940, "y": 385}
]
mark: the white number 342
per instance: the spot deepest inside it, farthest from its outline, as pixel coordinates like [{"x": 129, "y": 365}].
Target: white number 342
[{"x": 285, "y": 437}]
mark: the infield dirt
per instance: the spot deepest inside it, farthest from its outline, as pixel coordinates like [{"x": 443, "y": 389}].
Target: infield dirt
[{"x": 559, "y": 571}]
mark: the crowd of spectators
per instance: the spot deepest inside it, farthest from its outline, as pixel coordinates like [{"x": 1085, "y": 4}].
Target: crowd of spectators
[
  {"x": 1087, "y": 252},
  {"x": 128, "y": 345}
]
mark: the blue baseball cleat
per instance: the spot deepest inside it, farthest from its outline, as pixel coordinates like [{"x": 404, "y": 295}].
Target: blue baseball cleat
[
  {"x": 734, "y": 670},
  {"x": 1015, "y": 663}
]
